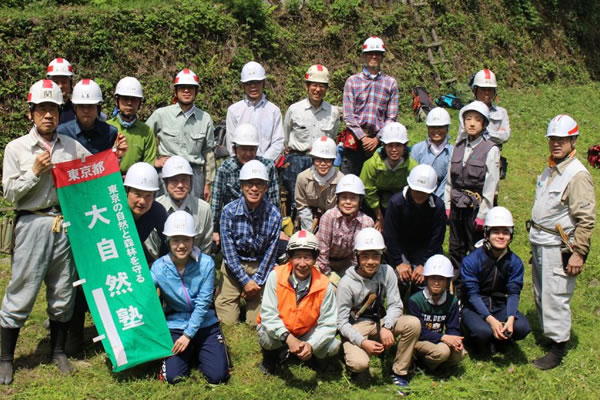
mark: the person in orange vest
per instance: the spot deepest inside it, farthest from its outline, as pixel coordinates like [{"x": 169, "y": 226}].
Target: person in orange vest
[{"x": 298, "y": 311}]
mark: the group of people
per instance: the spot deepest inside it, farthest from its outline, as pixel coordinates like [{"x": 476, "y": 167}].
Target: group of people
[{"x": 370, "y": 212}]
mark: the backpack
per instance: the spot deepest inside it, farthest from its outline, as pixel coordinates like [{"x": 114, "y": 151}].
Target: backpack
[
  {"x": 593, "y": 156},
  {"x": 422, "y": 103},
  {"x": 449, "y": 101},
  {"x": 220, "y": 146}
]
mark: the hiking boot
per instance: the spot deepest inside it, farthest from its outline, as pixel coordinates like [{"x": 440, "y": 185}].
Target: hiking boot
[
  {"x": 553, "y": 358},
  {"x": 62, "y": 362},
  {"x": 6, "y": 372},
  {"x": 400, "y": 380}
]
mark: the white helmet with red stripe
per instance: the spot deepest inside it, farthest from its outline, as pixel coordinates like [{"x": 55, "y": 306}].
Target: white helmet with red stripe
[
  {"x": 186, "y": 77},
  {"x": 317, "y": 73},
  {"x": 562, "y": 126},
  {"x": 373, "y": 43},
  {"x": 485, "y": 79},
  {"x": 87, "y": 92},
  {"x": 59, "y": 67},
  {"x": 324, "y": 147},
  {"x": 303, "y": 240},
  {"x": 45, "y": 91}
]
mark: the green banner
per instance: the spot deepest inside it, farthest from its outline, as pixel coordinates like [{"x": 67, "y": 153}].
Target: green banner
[{"x": 110, "y": 261}]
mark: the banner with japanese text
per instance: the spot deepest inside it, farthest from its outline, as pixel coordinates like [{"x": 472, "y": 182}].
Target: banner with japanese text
[{"x": 110, "y": 260}]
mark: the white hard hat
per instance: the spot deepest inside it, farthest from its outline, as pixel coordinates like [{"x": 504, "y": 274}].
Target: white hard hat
[
  {"x": 180, "y": 223},
  {"x": 478, "y": 106},
  {"x": 45, "y": 91},
  {"x": 87, "y": 92},
  {"x": 245, "y": 135},
  {"x": 303, "y": 240},
  {"x": 176, "y": 165},
  {"x": 254, "y": 169},
  {"x": 350, "y": 184},
  {"x": 369, "y": 239},
  {"x": 317, "y": 73},
  {"x": 484, "y": 78},
  {"x": 373, "y": 44},
  {"x": 394, "y": 132},
  {"x": 324, "y": 147},
  {"x": 438, "y": 117},
  {"x": 59, "y": 67},
  {"x": 142, "y": 176},
  {"x": 253, "y": 71},
  {"x": 129, "y": 86},
  {"x": 186, "y": 77},
  {"x": 499, "y": 216},
  {"x": 422, "y": 178},
  {"x": 440, "y": 265},
  {"x": 562, "y": 126}
]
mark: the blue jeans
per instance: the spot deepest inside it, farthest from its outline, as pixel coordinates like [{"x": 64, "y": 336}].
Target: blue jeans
[
  {"x": 297, "y": 163},
  {"x": 480, "y": 331}
]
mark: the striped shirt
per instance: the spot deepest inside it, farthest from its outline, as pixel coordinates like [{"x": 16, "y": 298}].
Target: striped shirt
[
  {"x": 250, "y": 237},
  {"x": 369, "y": 103}
]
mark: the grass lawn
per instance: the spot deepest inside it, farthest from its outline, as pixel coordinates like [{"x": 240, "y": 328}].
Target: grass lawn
[{"x": 508, "y": 376}]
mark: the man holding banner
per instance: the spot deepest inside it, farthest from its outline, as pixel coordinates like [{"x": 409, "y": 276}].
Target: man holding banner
[{"x": 41, "y": 251}]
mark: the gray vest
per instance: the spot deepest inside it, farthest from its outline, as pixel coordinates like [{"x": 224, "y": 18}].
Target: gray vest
[{"x": 471, "y": 176}]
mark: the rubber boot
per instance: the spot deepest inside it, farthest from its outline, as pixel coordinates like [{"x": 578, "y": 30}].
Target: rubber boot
[
  {"x": 270, "y": 359},
  {"x": 553, "y": 358},
  {"x": 9, "y": 342},
  {"x": 75, "y": 336},
  {"x": 58, "y": 338}
]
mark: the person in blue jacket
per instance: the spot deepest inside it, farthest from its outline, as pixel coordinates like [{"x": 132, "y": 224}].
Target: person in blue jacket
[
  {"x": 492, "y": 278},
  {"x": 186, "y": 279}
]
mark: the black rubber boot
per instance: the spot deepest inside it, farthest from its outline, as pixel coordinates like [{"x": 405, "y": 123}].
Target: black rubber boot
[
  {"x": 58, "y": 338},
  {"x": 9, "y": 342},
  {"x": 270, "y": 359},
  {"x": 553, "y": 358},
  {"x": 75, "y": 336}
]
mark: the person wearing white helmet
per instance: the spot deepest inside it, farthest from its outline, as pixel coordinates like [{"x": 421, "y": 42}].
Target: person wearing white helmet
[
  {"x": 298, "y": 311},
  {"x": 484, "y": 87},
  {"x": 315, "y": 186},
  {"x": 256, "y": 110},
  {"x": 305, "y": 122},
  {"x": 372, "y": 284},
  {"x": 436, "y": 149},
  {"x": 386, "y": 171},
  {"x": 178, "y": 175},
  {"x": 186, "y": 279},
  {"x": 40, "y": 254},
  {"x": 471, "y": 183},
  {"x": 140, "y": 137},
  {"x": 492, "y": 280},
  {"x": 60, "y": 71},
  {"x": 441, "y": 341},
  {"x": 95, "y": 135},
  {"x": 182, "y": 129},
  {"x": 339, "y": 226},
  {"x": 370, "y": 102},
  {"x": 226, "y": 187},
  {"x": 414, "y": 227},
  {"x": 249, "y": 229},
  {"x": 564, "y": 196}
]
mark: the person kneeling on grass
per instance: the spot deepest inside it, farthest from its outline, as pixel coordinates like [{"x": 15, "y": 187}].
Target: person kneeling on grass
[
  {"x": 492, "y": 276},
  {"x": 186, "y": 279},
  {"x": 440, "y": 343},
  {"x": 298, "y": 311},
  {"x": 367, "y": 328}
]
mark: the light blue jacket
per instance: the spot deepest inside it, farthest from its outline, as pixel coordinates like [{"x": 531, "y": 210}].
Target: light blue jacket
[
  {"x": 188, "y": 297},
  {"x": 422, "y": 153}
]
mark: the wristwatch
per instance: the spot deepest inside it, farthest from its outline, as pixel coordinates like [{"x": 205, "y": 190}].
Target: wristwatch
[
  {"x": 284, "y": 336},
  {"x": 387, "y": 326}
]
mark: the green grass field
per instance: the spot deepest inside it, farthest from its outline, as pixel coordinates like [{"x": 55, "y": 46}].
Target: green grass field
[{"x": 508, "y": 376}]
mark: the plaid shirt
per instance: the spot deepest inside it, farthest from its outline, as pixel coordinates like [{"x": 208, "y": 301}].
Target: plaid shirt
[
  {"x": 226, "y": 186},
  {"x": 250, "y": 236},
  {"x": 369, "y": 103},
  {"x": 336, "y": 235}
]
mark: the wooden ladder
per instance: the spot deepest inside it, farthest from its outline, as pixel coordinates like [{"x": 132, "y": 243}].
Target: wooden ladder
[{"x": 433, "y": 45}]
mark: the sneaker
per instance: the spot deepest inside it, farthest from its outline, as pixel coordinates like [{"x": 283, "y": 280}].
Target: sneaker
[{"x": 400, "y": 380}]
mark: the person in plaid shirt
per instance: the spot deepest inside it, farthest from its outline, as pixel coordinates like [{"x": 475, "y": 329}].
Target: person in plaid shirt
[
  {"x": 370, "y": 101},
  {"x": 250, "y": 229}
]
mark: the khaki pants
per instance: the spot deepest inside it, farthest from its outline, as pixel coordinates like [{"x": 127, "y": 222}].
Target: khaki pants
[
  {"x": 434, "y": 355},
  {"x": 406, "y": 330},
  {"x": 228, "y": 301}
]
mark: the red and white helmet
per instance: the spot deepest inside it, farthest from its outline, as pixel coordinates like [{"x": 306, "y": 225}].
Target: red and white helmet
[
  {"x": 59, "y": 67},
  {"x": 485, "y": 79},
  {"x": 87, "y": 92},
  {"x": 373, "y": 43},
  {"x": 562, "y": 126},
  {"x": 186, "y": 77},
  {"x": 324, "y": 147},
  {"x": 45, "y": 91},
  {"x": 317, "y": 73}
]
